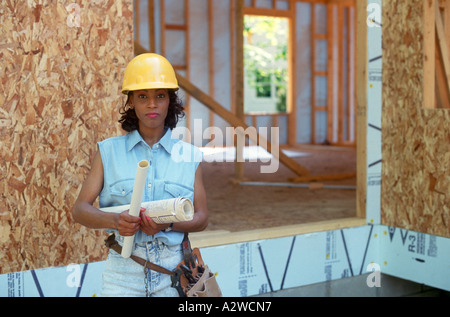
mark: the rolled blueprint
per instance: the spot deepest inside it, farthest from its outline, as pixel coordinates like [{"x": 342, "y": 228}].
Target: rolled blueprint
[
  {"x": 163, "y": 211},
  {"x": 170, "y": 210},
  {"x": 136, "y": 200}
]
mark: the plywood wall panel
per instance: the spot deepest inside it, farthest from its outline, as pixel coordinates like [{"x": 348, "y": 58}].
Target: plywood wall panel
[
  {"x": 415, "y": 141},
  {"x": 60, "y": 80}
]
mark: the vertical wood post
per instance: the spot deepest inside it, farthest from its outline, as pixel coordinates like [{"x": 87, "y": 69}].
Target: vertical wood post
[
  {"x": 361, "y": 107},
  {"x": 239, "y": 163}
]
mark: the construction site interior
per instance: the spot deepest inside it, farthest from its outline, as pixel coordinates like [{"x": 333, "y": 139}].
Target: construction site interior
[
  {"x": 318, "y": 138},
  {"x": 272, "y": 200},
  {"x": 345, "y": 152}
]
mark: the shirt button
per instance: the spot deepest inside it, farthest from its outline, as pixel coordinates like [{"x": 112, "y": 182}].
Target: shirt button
[
  {"x": 123, "y": 192},
  {"x": 149, "y": 185}
]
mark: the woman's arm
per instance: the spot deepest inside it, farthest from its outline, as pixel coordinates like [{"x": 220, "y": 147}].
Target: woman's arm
[
  {"x": 87, "y": 215},
  {"x": 200, "y": 219}
]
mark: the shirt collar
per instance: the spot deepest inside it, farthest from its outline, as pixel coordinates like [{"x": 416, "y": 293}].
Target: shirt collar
[{"x": 166, "y": 141}]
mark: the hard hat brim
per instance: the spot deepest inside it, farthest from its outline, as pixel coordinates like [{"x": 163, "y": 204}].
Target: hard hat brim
[{"x": 144, "y": 86}]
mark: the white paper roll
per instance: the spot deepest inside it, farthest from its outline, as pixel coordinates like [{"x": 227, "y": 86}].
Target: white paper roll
[
  {"x": 136, "y": 200},
  {"x": 162, "y": 211},
  {"x": 170, "y": 210}
]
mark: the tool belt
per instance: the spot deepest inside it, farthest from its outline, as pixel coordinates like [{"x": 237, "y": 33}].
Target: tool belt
[{"x": 191, "y": 277}]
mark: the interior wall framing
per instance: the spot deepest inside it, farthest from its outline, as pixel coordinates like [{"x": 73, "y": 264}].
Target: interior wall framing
[{"x": 321, "y": 103}]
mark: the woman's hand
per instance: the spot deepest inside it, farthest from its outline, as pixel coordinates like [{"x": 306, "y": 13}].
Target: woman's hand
[
  {"x": 128, "y": 225},
  {"x": 148, "y": 226}
]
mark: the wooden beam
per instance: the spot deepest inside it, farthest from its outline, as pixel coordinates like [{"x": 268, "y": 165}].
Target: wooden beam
[
  {"x": 137, "y": 20},
  {"x": 446, "y": 6},
  {"x": 350, "y": 84},
  {"x": 221, "y": 237},
  {"x": 211, "y": 57},
  {"x": 361, "y": 107},
  {"x": 291, "y": 106},
  {"x": 187, "y": 108},
  {"x": 442, "y": 92},
  {"x": 151, "y": 25},
  {"x": 429, "y": 68},
  {"x": 340, "y": 71},
  {"x": 315, "y": 178},
  {"x": 313, "y": 71},
  {"x": 268, "y": 12},
  {"x": 331, "y": 71},
  {"x": 235, "y": 121},
  {"x": 239, "y": 163},
  {"x": 341, "y": 2},
  {"x": 139, "y": 49},
  {"x": 444, "y": 73}
]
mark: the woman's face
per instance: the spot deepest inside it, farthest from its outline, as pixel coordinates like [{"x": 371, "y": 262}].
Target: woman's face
[{"x": 151, "y": 106}]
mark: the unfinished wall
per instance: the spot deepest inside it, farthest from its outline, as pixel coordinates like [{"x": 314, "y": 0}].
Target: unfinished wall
[
  {"x": 199, "y": 38},
  {"x": 416, "y": 141},
  {"x": 60, "y": 79}
]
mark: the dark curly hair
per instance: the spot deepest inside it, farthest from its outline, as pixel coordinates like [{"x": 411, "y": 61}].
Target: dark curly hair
[{"x": 130, "y": 121}]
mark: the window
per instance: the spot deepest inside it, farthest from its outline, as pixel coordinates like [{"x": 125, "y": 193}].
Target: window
[{"x": 265, "y": 64}]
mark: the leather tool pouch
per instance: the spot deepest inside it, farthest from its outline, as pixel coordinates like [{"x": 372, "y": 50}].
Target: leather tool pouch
[{"x": 191, "y": 277}]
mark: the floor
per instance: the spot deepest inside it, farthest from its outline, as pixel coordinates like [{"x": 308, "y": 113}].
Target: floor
[
  {"x": 237, "y": 207},
  {"x": 356, "y": 286}
]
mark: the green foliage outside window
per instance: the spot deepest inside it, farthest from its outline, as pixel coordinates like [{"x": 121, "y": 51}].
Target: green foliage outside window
[{"x": 265, "y": 57}]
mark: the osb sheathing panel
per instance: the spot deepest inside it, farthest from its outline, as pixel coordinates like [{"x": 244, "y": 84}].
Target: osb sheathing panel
[
  {"x": 60, "y": 94},
  {"x": 415, "y": 141}
]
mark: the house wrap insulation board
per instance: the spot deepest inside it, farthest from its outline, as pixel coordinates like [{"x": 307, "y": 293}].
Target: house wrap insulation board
[{"x": 258, "y": 267}]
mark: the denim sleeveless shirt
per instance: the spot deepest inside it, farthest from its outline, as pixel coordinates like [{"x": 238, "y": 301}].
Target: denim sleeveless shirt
[{"x": 171, "y": 174}]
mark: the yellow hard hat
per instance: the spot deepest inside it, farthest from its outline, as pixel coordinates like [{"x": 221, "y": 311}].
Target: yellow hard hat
[{"x": 149, "y": 71}]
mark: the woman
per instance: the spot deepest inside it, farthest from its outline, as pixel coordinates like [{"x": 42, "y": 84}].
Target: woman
[{"x": 150, "y": 113}]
